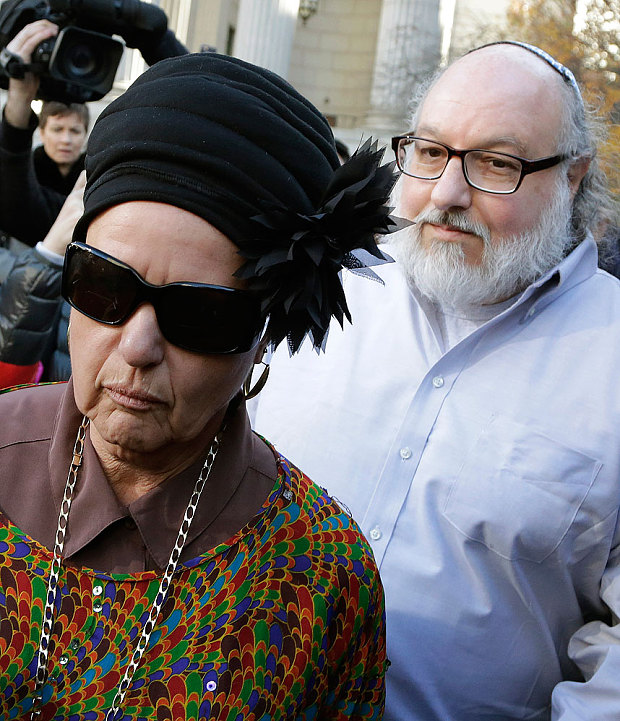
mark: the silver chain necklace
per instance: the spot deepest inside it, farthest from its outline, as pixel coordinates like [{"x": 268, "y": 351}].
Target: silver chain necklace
[{"x": 52, "y": 584}]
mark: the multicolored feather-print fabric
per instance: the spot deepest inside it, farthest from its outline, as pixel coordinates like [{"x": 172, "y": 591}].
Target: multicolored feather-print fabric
[{"x": 286, "y": 621}]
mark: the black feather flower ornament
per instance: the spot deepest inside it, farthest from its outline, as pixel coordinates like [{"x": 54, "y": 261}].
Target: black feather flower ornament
[{"x": 294, "y": 260}]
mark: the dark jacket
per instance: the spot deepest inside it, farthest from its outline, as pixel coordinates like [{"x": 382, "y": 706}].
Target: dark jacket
[
  {"x": 33, "y": 317},
  {"x": 48, "y": 174},
  {"x": 609, "y": 251},
  {"x": 27, "y": 208}
]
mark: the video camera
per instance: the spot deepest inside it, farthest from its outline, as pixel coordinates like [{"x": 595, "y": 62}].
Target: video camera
[{"x": 79, "y": 64}]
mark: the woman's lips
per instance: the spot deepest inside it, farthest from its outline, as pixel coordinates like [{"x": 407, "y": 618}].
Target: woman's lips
[{"x": 131, "y": 398}]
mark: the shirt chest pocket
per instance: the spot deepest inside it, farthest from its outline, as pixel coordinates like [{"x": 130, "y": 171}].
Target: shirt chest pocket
[{"x": 518, "y": 491}]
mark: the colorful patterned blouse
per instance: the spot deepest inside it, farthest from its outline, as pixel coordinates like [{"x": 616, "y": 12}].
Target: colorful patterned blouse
[{"x": 285, "y": 621}]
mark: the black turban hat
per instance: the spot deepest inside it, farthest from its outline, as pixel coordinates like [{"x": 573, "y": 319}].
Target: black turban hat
[
  {"x": 213, "y": 135},
  {"x": 238, "y": 146}
]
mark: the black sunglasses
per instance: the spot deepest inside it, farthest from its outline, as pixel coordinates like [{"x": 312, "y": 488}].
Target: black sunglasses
[{"x": 195, "y": 316}]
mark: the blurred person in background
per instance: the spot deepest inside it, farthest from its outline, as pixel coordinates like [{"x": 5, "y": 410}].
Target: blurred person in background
[
  {"x": 343, "y": 150},
  {"x": 33, "y": 188},
  {"x": 59, "y": 160},
  {"x": 34, "y": 185}
]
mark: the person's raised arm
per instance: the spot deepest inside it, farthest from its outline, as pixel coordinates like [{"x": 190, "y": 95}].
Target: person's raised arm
[
  {"x": 61, "y": 232},
  {"x": 27, "y": 208},
  {"x": 21, "y": 93}
]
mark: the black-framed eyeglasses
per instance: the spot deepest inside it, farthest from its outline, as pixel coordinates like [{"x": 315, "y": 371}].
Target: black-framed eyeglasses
[
  {"x": 195, "y": 316},
  {"x": 485, "y": 170}
]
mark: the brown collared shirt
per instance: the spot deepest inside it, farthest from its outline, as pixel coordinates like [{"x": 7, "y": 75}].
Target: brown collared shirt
[{"x": 37, "y": 433}]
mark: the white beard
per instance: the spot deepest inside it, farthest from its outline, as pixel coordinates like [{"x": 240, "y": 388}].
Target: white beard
[{"x": 507, "y": 267}]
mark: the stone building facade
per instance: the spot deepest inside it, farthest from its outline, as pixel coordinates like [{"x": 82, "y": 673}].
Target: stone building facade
[{"x": 357, "y": 60}]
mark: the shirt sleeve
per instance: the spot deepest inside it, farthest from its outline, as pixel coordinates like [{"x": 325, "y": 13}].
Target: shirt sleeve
[
  {"x": 595, "y": 649},
  {"x": 54, "y": 259}
]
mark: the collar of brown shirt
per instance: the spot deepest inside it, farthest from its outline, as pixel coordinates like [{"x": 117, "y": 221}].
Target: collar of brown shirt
[{"x": 102, "y": 533}]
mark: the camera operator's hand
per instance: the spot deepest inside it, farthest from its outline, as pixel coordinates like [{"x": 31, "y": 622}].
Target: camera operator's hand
[
  {"x": 22, "y": 92},
  {"x": 61, "y": 232}
]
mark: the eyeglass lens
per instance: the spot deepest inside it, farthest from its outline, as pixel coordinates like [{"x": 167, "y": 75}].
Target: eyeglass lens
[
  {"x": 196, "y": 317},
  {"x": 495, "y": 172}
]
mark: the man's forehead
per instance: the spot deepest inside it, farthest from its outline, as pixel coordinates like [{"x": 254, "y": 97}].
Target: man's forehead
[{"x": 496, "y": 91}]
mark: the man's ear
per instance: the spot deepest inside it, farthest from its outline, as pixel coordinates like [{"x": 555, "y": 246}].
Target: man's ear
[{"x": 576, "y": 173}]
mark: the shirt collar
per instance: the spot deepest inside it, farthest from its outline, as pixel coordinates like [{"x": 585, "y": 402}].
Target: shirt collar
[
  {"x": 157, "y": 514},
  {"x": 577, "y": 266}
]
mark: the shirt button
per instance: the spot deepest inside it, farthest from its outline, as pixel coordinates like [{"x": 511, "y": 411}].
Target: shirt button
[
  {"x": 405, "y": 453},
  {"x": 74, "y": 645},
  {"x": 63, "y": 660},
  {"x": 97, "y": 590},
  {"x": 97, "y": 606},
  {"x": 375, "y": 533},
  {"x": 438, "y": 381}
]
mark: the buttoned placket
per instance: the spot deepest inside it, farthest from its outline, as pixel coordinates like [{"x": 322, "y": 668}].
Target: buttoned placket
[{"x": 409, "y": 444}]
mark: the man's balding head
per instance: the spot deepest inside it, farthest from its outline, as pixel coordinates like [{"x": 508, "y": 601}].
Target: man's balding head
[
  {"x": 522, "y": 117},
  {"x": 581, "y": 131}
]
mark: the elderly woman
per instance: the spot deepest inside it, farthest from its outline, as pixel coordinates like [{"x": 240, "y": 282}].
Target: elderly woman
[{"x": 159, "y": 561}]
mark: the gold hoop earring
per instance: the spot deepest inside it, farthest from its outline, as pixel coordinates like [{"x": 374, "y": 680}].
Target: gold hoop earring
[{"x": 247, "y": 389}]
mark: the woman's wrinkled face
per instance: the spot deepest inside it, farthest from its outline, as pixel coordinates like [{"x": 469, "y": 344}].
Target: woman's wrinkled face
[{"x": 142, "y": 394}]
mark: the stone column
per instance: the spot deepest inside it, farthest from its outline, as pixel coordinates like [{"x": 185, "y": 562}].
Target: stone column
[
  {"x": 408, "y": 49},
  {"x": 265, "y": 32}
]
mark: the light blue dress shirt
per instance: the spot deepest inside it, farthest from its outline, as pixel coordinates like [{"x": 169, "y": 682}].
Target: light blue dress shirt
[{"x": 487, "y": 479}]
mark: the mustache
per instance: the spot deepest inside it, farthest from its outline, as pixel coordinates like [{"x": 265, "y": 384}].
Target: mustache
[{"x": 455, "y": 219}]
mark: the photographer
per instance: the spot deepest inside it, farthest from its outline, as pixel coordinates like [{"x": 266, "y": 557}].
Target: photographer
[
  {"x": 28, "y": 205},
  {"x": 33, "y": 318},
  {"x": 32, "y": 187}
]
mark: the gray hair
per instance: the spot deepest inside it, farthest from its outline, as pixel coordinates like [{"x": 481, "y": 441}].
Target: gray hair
[{"x": 583, "y": 132}]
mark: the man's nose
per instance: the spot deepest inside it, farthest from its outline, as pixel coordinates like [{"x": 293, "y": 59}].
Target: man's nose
[{"x": 451, "y": 189}]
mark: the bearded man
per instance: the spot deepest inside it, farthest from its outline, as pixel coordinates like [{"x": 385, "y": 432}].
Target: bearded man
[{"x": 469, "y": 419}]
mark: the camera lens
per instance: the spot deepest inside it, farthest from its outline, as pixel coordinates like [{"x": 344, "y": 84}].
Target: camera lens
[
  {"x": 80, "y": 61},
  {"x": 85, "y": 62}
]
